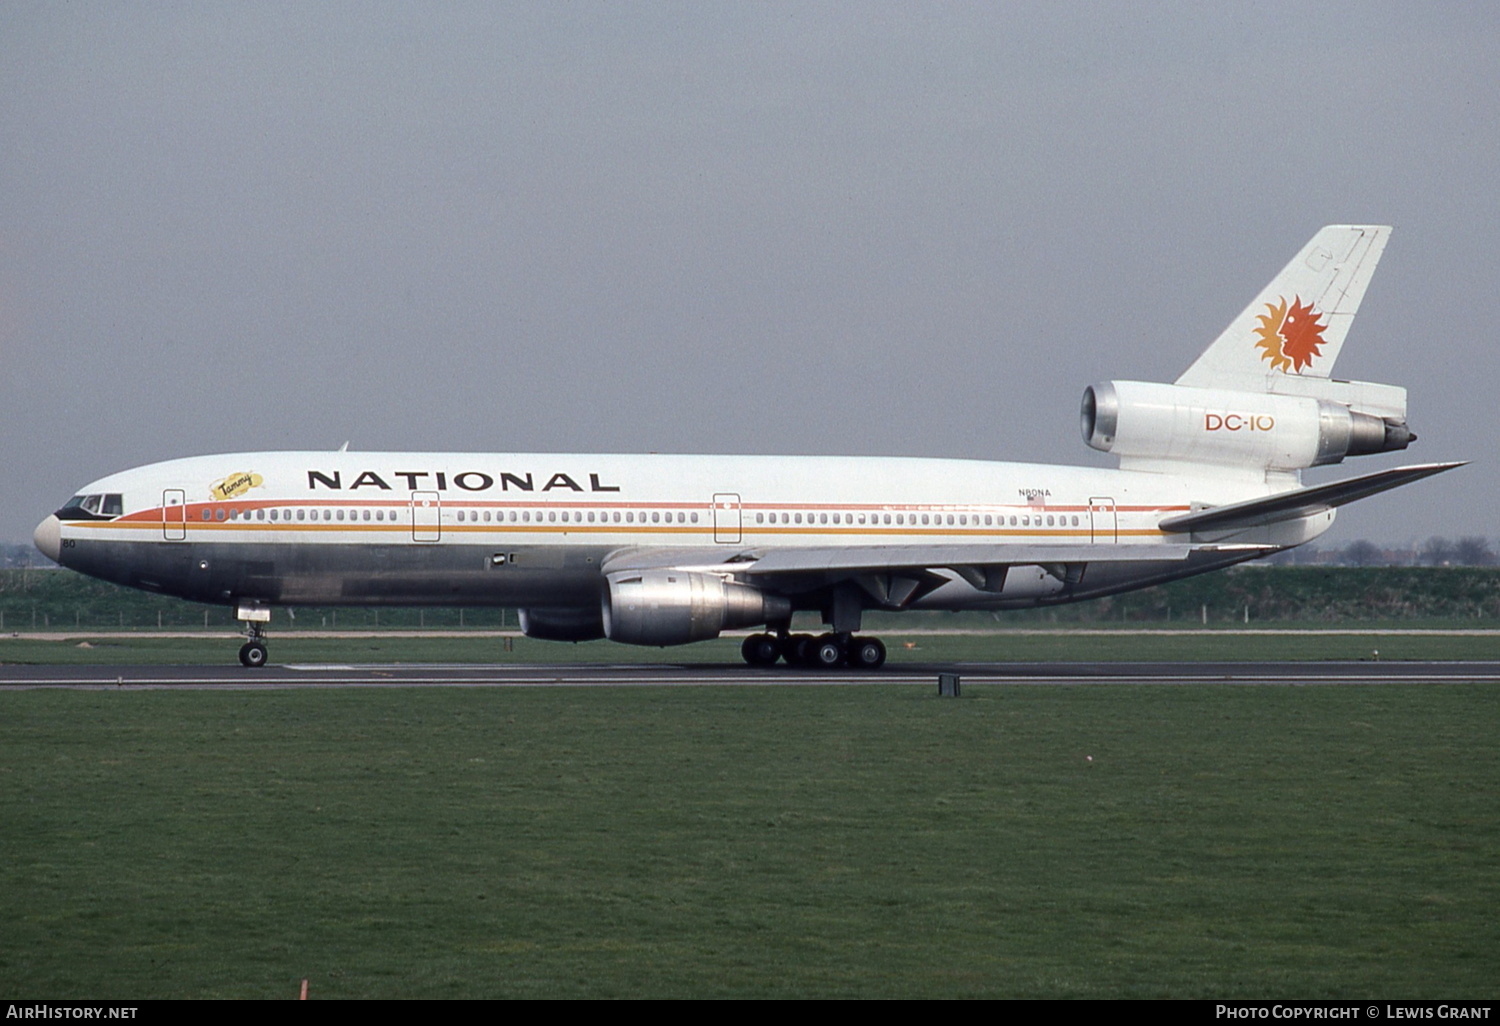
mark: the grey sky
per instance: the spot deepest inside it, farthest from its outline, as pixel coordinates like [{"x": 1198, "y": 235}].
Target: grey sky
[{"x": 845, "y": 228}]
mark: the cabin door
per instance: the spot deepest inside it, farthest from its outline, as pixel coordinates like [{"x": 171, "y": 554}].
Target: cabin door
[
  {"x": 174, "y": 514},
  {"x": 426, "y": 517},
  {"x": 1104, "y": 526},
  {"x": 727, "y": 518}
]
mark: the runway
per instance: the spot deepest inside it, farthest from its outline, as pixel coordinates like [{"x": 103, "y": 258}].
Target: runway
[{"x": 13, "y": 678}]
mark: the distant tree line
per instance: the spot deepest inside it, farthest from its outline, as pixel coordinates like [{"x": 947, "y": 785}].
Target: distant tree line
[
  {"x": 1472, "y": 550},
  {"x": 32, "y": 599},
  {"x": 1435, "y": 551}
]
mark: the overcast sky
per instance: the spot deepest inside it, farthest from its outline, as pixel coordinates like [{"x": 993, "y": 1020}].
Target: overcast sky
[{"x": 801, "y": 228}]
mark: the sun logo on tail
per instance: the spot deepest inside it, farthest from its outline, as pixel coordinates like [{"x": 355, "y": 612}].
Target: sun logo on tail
[{"x": 1290, "y": 338}]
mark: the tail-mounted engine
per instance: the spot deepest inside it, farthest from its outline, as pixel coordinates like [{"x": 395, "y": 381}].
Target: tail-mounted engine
[
  {"x": 673, "y": 607},
  {"x": 1142, "y": 422}
]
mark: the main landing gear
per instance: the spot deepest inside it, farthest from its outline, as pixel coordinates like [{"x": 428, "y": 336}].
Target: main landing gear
[{"x": 824, "y": 652}]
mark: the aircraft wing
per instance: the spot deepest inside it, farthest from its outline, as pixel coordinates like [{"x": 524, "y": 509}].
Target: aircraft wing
[
  {"x": 862, "y": 559},
  {"x": 896, "y": 574},
  {"x": 1299, "y": 502},
  {"x": 922, "y": 557}
]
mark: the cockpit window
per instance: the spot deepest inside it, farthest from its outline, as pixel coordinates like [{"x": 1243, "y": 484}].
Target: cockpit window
[{"x": 92, "y": 507}]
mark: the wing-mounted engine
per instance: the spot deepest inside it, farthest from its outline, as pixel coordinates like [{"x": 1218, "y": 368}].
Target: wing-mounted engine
[
  {"x": 673, "y": 607},
  {"x": 1145, "y": 422}
]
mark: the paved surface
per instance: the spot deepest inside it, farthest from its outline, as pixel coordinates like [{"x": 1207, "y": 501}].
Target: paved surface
[
  {"x": 917, "y": 632},
  {"x": 679, "y": 675}
]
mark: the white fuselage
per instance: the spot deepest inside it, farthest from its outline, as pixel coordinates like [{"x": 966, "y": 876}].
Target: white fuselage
[{"x": 537, "y": 529}]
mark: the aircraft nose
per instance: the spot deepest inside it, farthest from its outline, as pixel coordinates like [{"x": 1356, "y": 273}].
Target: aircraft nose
[{"x": 48, "y": 538}]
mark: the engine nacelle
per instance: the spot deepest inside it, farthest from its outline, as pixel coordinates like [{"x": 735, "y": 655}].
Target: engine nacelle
[
  {"x": 673, "y": 607},
  {"x": 1139, "y": 420},
  {"x": 566, "y": 624}
]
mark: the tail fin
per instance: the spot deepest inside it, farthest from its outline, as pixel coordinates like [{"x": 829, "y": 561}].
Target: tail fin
[{"x": 1296, "y": 326}]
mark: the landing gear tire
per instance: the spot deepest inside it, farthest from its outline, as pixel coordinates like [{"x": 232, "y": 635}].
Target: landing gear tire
[
  {"x": 866, "y": 653},
  {"x": 797, "y": 651},
  {"x": 253, "y": 654},
  {"x": 761, "y": 650},
  {"x": 826, "y": 652}
]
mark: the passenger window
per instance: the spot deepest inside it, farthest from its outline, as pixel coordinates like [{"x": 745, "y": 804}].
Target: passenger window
[
  {"x": 341, "y": 514},
  {"x": 219, "y": 514},
  {"x": 695, "y": 518},
  {"x": 208, "y": 514}
]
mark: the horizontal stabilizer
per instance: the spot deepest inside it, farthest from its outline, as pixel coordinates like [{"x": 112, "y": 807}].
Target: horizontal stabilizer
[{"x": 1301, "y": 502}]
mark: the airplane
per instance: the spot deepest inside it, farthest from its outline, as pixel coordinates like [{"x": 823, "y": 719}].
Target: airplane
[{"x": 663, "y": 550}]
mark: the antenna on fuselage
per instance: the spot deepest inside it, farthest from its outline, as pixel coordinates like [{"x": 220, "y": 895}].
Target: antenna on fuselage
[{"x": 344, "y": 447}]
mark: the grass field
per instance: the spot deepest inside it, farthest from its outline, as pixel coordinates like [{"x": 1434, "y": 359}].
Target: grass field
[
  {"x": 1208, "y": 645},
  {"x": 755, "y": 841}
]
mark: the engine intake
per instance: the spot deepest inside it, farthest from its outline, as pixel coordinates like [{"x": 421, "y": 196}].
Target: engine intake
[
  {"x": 566, "y": 624},
  {"x": 1144, "y": 421},
  {"x": 673, "y": 607}
]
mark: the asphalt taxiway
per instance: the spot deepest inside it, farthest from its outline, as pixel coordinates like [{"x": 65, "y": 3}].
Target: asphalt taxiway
[{"x": 325, "y": 675}]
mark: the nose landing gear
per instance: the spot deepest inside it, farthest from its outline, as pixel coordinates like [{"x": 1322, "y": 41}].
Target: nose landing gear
[{"x": 253, "y": 653}]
